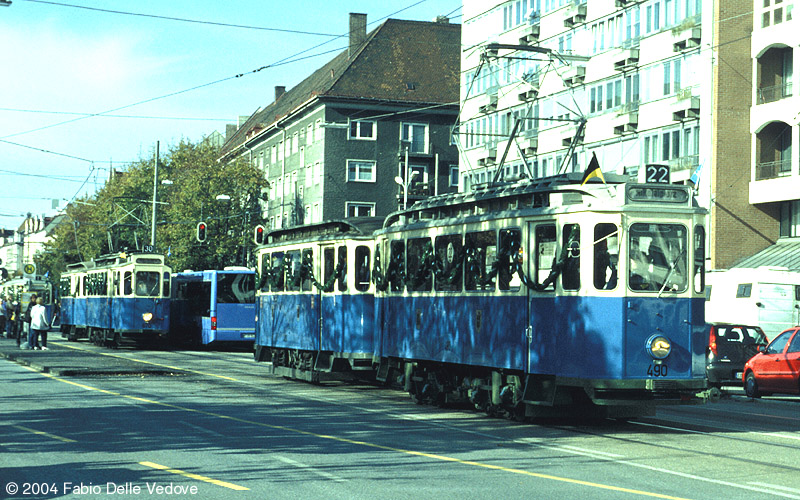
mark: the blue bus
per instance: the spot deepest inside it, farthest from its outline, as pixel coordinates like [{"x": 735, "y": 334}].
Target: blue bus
[{"x": 214, "y": 306}]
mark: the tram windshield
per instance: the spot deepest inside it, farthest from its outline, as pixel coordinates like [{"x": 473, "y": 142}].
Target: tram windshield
[
  {"x": 147, "y": 283},
  {"x": 658, "y": 258}
]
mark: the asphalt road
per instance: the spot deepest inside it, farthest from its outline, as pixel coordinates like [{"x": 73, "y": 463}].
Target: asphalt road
[{"x": 85, "y": 422}]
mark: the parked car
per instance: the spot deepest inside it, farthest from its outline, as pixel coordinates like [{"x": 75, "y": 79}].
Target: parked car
[
  {"x": 776, "y": 368},
  {"x": 729, "y": 347}
]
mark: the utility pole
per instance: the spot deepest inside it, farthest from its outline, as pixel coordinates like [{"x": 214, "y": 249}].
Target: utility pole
[{"x": 155, "y": 201}]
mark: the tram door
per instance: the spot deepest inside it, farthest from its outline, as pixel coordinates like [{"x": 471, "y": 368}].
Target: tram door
[
  {"x": 334, "y": 286},
  {"x": 540, "y": 335}
]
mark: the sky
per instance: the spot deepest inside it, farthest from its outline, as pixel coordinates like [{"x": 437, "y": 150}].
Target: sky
[{"x": 91, "y": 85}]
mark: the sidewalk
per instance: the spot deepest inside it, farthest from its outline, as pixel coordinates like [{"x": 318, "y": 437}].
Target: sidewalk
[{"x": 65, "y": 358}]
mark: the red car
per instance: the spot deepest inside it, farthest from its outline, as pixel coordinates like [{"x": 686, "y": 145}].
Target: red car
[{"x": 776, "y": 368}]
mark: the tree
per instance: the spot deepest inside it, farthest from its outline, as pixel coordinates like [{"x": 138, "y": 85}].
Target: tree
[{"x": 118, "y": 216}]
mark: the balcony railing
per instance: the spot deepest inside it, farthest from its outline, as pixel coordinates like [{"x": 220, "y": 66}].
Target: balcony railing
[
  {"x": 773, "y": 169},
  {"x": 774, "y": 93}
]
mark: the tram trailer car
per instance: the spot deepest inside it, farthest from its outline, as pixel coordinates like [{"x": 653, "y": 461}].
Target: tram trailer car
[
  {"x": 214, "y": 306},
  {"x": 536, "y": 298},
  {"x": 116, "y": 297},
  {"x": 315, "y": 300}
]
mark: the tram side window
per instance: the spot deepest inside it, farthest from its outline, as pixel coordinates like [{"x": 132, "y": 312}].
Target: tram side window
[
  {"x": 362, "y": 268},
  {"x": 606, "y": 256},
  {"x": 263, "y": 272},
  {"x": 571, "y": 249},
  {"x": 341, "y": 263},
  {"x": 420, "y": 264},
  {"x": 277, "y": 272},
  {"x": 293, "y": 271},
  {"x": 480, "y": 251},
  {"x": 508, "y": 260},
  {"x": 397, "y": 266},
  {"x": 147, "y": 283},
  {"x": 115, "y": 283},
  {"x": 699, "y": 258},
  {"x": 328, "y": 268},
  {"x": 307, "y": 270},
  {"x": 63, "y": 287},
  {"x": 449, "y": 263},
  {"x": 166, "y": 284},
  {"x": 127, "y": 283},
  {"x": 545, "y": 252},
  {"x": 87, "y": 290}
]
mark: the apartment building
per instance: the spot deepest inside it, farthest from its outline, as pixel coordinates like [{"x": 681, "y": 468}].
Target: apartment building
[{"x": 364, "y": 133}]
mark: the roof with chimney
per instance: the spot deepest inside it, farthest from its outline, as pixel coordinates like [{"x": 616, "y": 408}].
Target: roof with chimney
[{"x": 412, "y": 62}]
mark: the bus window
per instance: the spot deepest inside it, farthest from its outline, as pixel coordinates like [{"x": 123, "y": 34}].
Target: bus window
[
  {"x": 277, "y": 272},
  {"x": 507, "y": 260},
  {"x": 341, "y": 263},
  {"x": 700, "y": 259},
  {"x": 571, "y": 249},
  {"x": 362, "y": 268},
  {"x": 606, "y": 256},
  {"x": 449, "y": 260},
  {"x": 147, "y": 283},
  {"x": 396, "y": 269},
  {"x": 480, "y": 250},
  {"x": 545, "y": 252},
  {"x": 420, "y": 264},
  {"x": 236, "y": 288}
]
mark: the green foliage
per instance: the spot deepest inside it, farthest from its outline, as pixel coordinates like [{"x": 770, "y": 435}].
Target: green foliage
[{"x": 118, "y": 216}]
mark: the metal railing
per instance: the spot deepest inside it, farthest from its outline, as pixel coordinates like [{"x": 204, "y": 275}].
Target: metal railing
[
  {"x": 773, "y": 169},
  {"x": 774, "y": 93}
]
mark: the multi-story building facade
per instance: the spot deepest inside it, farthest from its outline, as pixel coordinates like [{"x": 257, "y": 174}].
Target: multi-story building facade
[
  {"x": 366, "y": 131},
  {"x": 18, "y": 248}
]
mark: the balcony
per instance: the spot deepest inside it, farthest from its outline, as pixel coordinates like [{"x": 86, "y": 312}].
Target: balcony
[
  {"x": 487, "y": 154},
  {"x": 773, "y": 169},
  {"x": 626, "y": 122},
  {"x": 774, "y": 93},
  {"x": 626, "y": 3},
  {"x": 684, "y": 163}
]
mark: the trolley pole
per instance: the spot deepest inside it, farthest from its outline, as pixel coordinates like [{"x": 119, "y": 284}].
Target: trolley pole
[{"x": 155, "y": 201}]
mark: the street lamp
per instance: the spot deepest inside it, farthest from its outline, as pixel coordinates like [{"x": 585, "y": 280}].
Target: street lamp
[{"x": 404, "y": 184}]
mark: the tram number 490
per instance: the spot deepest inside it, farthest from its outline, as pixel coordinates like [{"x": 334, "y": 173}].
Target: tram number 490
[{"x": 657, "y": 370}]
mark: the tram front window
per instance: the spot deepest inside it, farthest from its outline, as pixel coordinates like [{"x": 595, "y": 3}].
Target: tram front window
[
  {"x": 658, "y": 258},
  {"x": 147, "y": 283}
]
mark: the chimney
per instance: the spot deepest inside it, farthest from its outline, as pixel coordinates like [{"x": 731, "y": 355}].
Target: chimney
[
  {"x": 358, "y": 32},
  {"x": 279, "y": 91}
]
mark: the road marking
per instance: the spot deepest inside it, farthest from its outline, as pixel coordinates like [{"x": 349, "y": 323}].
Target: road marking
[
  {"x": 42, "y": 433},
  {"x": 432, "y": 456},
  {"x": 194, "y": 476},
  {"x": 776, "y": 487},
  {"x": 147, "y": 362},
  {"x": 780, "y": 435},
  {"x": 309, "y": 468}
]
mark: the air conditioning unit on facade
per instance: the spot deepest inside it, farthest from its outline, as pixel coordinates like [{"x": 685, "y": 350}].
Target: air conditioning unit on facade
[
  {"x": 487, "y": 155},
  {"x": 574, "y": 14},
  {"x": 626, "y": 123},
  {"x": 529, "y": 34},
  {"x": 574, "y": 75},
  {"x": 685, "y": 38},
  {"x": 626, "y": 59},
  {"x": 685, "y": 109},
  {"x": 568, "y": 135}
]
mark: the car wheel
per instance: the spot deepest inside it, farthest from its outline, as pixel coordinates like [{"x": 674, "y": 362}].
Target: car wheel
[{"x": 751, "y": 386}]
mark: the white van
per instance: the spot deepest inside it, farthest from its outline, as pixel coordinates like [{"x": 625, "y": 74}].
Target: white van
[{"x": 768, "y": 297}]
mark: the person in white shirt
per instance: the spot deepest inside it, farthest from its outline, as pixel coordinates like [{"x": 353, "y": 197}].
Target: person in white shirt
[{"x": 39, "y": 326}]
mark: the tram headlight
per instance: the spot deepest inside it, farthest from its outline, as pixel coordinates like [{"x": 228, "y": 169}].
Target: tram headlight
[
  {"x": 659, "y": 346},
  {"x": 147, "y": 317}
]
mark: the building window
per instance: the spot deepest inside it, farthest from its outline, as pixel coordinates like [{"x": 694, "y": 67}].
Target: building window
[
  {"x": 362, "y": 129},
  {"x": 416, "y": 135},
  {"x": 360, "y": 171},
  {"x": 309, "y": 175},
  {"x": 355, "y": 209},
  {"x": 453, "y": 176},
  {"x": 790, "y": 219}
]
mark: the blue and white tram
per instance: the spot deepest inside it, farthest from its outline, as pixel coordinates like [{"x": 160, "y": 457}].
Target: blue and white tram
[
  {"x": 214, "y": 306},
  {"x": 315, "y": 300},
  {"x": 114, "y": 297},
  {"x": 528, "y": 298}
]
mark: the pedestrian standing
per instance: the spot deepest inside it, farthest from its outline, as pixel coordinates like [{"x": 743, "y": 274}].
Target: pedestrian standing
[
  {"x": 39, "y": 325},
  {"x": 2, "y": 315},
  {"x": 26, "y": 321}
]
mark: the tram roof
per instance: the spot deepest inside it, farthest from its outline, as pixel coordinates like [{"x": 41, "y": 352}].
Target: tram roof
[
  {"x": 109, "y": 260},
  {"x": 357, "y": 226}
]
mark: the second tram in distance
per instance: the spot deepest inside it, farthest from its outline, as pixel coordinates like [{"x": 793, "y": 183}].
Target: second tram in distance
[
  {"x": 116, "y": 296},
  {"x": 524, "y": 299}
]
